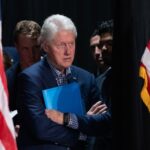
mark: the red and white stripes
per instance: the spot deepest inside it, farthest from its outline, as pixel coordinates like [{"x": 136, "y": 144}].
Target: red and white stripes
[{"x": 7, "y": 132}]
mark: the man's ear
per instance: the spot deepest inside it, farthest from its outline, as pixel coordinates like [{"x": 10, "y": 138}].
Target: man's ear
[{"x": 45, "y": 46}]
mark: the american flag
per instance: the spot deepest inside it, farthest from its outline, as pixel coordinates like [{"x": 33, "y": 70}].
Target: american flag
[
  {"x": 145, "y": 74},
  {"x": 7, "y": 132}
]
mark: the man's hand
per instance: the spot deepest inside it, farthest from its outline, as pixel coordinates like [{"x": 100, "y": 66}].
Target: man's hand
[
  {"x": 55, "y": 116},
  {"x": 97, "y": 108}
]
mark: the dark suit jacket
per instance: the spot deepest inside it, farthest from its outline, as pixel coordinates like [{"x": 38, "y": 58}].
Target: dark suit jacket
[
  {"x": 104, "y": 82},
  {"x": 12, "y": 74},
  {"x": 37, "y": 131}
]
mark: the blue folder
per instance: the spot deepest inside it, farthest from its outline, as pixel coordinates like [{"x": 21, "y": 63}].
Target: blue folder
[{"x": 65, "y": 98}]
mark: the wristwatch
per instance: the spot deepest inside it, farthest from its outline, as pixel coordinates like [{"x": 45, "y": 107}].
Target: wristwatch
[{"x": 66, "y": 119}]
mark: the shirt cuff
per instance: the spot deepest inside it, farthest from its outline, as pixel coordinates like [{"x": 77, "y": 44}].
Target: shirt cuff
[{"x": 73, "y": 121}]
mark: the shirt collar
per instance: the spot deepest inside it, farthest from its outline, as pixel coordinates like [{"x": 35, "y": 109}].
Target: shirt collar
[{"x": 56, "y": 71}]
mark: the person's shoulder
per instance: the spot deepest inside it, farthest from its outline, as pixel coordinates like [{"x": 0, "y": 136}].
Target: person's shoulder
[
  {"x": 35, "y": 67},
  {"x": 32, "y": 67},
  {"x": 82, "y": 74},
  {"x": 34, "y": 70},
  {"x": 80, "y": 70}
]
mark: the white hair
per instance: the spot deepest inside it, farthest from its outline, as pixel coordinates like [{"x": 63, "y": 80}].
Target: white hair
[{"x": 54, "y": 24}]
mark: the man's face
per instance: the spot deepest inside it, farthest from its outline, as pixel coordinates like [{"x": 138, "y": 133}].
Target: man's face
[
  {"x": 61, "y": 49},
  {"x": 102, "y": 51},
  {"x": 94, "y": 45},
  {"x": 28, "y": 49}
]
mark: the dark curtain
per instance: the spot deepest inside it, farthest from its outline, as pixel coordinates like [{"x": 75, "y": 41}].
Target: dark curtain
[
  {"x": 131, "y": 119},
  {"x": 84, "y": 13}
]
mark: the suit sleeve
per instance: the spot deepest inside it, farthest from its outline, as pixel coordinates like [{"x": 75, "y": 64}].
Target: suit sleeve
[
  {"x": 32, "y": 113},
  {"x": 95, "y": 125}
]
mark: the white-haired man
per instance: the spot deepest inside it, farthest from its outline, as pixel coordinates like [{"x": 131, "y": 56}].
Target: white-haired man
[{"x": 43, "y": 131}]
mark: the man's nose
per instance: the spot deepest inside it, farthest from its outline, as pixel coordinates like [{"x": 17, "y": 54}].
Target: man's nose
[
  {"x": 97, "y": 50},
  {"x": 67, "y": 49}
]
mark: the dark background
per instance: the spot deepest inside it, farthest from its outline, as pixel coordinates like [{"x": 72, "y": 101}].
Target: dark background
[{"x": 84, "y": 13}]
